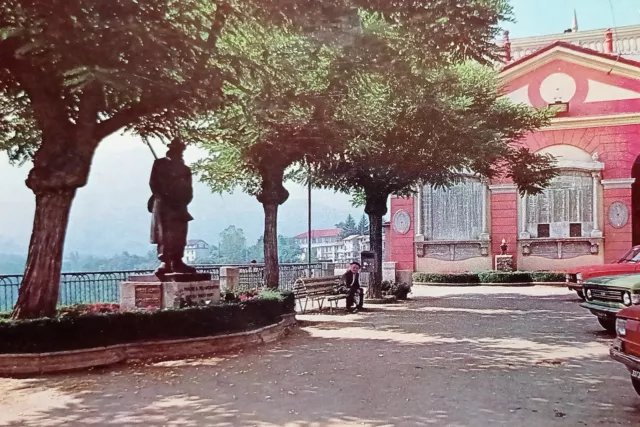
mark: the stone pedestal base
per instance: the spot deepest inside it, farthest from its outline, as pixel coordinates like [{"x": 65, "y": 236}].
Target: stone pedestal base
[
  {"x": 145, "y": 293},
  {"x": 389, "y": 271},
  {"x": 404, "y": 276},
  {"x": 504, "y": 263}
]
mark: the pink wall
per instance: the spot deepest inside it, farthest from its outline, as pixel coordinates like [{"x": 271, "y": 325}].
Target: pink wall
[
  {"x": 617, "y": 240},
  {"x": 504, "y": 223},
  {"x": 401, "y": 246}
]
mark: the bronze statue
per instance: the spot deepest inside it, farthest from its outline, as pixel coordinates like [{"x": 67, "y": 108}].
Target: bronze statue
[
  {"x": 503, "y": 247},
  {"x": 172, "y": 190}
]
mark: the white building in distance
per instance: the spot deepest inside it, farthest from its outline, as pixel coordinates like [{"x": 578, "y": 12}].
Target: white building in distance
[{"x": 195, "y": 250}]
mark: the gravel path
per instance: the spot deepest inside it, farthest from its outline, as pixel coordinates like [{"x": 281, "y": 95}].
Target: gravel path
[{"x": 450, "y": 357}]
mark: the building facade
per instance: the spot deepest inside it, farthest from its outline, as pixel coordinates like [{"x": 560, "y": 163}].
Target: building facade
[
  {"x": 327, "y": 245},
  {"x": 195, "y": 250},
  {"x": 589, "y": 212}
]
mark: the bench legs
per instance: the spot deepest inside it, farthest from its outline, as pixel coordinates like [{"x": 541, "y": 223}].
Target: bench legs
[
  {"x": 333, "y": 303},
  {"x": 306, "y": 300}
]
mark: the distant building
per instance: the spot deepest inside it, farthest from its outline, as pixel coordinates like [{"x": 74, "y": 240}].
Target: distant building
[
  {"x": 195, "y": 250},
  {"x": 327, "y": 245}
]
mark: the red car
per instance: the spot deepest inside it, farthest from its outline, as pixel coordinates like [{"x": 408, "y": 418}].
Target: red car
[
  {"x": 628, "y": 264},
  {"x": 626, "y": 347}
]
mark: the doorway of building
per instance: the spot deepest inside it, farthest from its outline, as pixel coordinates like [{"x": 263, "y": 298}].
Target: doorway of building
[{"x": 635, "y": 202}]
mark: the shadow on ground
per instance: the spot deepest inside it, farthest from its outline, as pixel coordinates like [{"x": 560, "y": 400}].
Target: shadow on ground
[{"x": 447, "y": 358}]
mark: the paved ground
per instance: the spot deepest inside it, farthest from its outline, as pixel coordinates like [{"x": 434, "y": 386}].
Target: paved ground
[{"x": 451, "y": 357}]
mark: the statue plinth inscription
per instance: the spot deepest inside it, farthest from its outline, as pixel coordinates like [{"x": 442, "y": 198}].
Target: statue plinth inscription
[
  {"x": 147, "y": 296},
  {"x": 171, "y": 291}
]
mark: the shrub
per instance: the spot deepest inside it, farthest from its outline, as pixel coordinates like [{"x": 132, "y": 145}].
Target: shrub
[
  {"x": 271, "y": 294},
  {"x": 398, "y": 290},
  {"x": 95, "y": 329},
  {"x": 402, "y": 291},
  {"x": 492, "y": 277},
  {"x": 547, "y": 276},
  {"x": 504, "y": 277},
  {"x": 446, "y": 278}
]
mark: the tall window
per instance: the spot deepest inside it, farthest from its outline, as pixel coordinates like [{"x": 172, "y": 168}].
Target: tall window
[
  {"x": 454, "y": 213},
  {"x": 564, "y": 209}
]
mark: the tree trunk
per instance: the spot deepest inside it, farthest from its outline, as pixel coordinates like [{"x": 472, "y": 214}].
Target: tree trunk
[
  {"x": 375, "y": 237},
  {"x": 376, "y": 208},
  {"x": 271, "y": 196},
  {"x": 271, "y": 266},
  {"x": 38, "y": 295}
]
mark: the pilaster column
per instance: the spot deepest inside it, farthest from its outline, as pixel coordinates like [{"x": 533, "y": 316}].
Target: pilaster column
[
  {"x": 596, "y": 232},
  {"x": 418, "y": 215},
  {"x": 524, "y": 234},
  {"x": 485, "y": 212}
]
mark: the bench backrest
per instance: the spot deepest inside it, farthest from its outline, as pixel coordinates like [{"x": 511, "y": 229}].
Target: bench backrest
[{"x": 304, "y": 287}]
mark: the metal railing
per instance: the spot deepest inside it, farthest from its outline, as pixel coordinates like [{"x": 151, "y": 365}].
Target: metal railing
[{"x": 104, "y": 286}]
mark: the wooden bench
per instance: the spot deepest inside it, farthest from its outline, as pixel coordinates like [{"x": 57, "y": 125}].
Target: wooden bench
[{"x": 317, "y": 289}]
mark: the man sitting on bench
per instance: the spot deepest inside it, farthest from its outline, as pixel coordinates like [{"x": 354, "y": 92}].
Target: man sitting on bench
[{"x": 351, "y": 281}]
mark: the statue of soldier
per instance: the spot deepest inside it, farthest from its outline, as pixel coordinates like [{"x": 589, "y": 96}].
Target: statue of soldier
[{"x": 172, "y": 191}]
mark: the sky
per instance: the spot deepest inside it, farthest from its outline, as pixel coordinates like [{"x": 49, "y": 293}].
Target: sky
[
  {"x": 541, "y": 17},
  {"x": 109, "y": 214}
]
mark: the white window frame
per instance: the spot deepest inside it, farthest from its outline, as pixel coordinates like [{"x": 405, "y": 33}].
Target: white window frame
[{"x": 594, "y": 168}]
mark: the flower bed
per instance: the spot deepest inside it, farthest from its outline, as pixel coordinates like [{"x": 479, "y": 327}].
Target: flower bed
[
  {"x": 491, "y": 277},
  {"x": 84, "y": 327}
]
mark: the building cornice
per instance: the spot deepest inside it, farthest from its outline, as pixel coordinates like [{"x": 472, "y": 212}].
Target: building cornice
[
  {"x": 593, "y": 61},
  {"x": 503, "y": 188},
  {"x": 617, "y": 183},
  {"x": 562, "y": 123}
]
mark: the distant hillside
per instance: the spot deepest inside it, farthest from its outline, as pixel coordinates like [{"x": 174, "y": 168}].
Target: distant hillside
[{"x": 109, "y": 215}]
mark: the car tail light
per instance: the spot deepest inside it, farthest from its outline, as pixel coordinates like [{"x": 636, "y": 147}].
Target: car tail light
[{"x": 621, "y": 327}]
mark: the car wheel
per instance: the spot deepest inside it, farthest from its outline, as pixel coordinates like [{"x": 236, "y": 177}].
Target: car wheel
[
  {"x": 580, "y": 293},
  {"x": 636, "y": 385},
  {"x": 608, "y": 324}
]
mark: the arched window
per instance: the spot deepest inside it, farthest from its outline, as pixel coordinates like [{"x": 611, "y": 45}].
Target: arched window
[
  {"x": 564, "y": 208},
  {"x": 457, "y": 213},
  {"x": 568, "y": 207}
]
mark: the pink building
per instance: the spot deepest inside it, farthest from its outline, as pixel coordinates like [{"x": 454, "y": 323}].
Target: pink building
[{"x": 590, "y": 214}]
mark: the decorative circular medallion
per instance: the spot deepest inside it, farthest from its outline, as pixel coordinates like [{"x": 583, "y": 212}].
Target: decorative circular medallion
[
  {"x": 618, "y": 214},
  {"x": 558, "y": 87},
  {"x": 401, "y": 222}
]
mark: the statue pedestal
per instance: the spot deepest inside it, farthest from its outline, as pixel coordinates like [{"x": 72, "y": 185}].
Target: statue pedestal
[
  {"x": 169, "y": 291},
  {"x": 504, "y": 263}
]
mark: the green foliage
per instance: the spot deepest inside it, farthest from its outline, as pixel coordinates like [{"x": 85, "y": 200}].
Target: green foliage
[
  {"x": 399, "y": 290},
  {"x": 491, "y": 277},
  {"x": 363, "y": 226},
  {"x": 71, "y": 331},
  {"x": 446, "y": 278},
  {"x": 140, "y": 66},
  {"x": 124, "y": 261},
  {"x": 288, "y": 250},
  {"x": 233, "y": 246},
  {"x": 265, "y": 128},
  {"x": 503, "y": 277},
  {"x": 347, "y": 227},
  {"x": 272, "y": 294},
  {"x": 548, "y": 277}
]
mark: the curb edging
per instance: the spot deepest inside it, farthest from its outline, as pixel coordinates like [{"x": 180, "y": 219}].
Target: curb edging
[
  {"x": 26, "y": 364},
  {"x": 513, "y": 285}
]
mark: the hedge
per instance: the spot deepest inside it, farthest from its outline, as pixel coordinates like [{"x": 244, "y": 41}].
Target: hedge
[
  {"x": 446, "y": 278},
  {"x": 103, "y": 329},
  {"x": 490, "y": 277}
]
